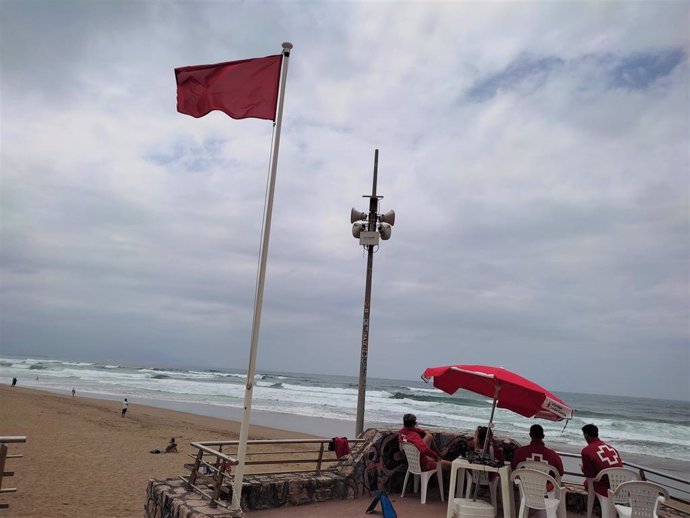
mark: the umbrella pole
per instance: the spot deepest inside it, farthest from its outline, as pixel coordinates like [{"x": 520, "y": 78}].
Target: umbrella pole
[{"x": 486, "y": 439}]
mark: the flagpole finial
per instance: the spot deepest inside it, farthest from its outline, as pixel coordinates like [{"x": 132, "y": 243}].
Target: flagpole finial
[{"x": 287, "y": 46}]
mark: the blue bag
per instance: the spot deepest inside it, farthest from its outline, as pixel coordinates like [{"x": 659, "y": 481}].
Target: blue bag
[{"x": 386, "y": 505}]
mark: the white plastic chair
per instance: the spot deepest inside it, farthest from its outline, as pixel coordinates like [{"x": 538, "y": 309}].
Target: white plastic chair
[
  {"x": 533, "y": 493},
  {"x": 482, "y": 478},
  {"x": 540, "y": 466},
  {"x": 616, "y": 477},
  {"x": 643, "y": 499},
  {"x": 413, "y": 466}
]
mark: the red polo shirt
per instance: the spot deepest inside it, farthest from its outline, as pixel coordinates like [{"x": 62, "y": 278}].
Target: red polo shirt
[
  {"x": 598, "y": 455},
  {"x": 536, "y": 450},
  {"x": 413, "y": 436}
]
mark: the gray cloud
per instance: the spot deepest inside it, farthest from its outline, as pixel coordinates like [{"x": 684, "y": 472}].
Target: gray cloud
[{"x": 536, "y": 157}]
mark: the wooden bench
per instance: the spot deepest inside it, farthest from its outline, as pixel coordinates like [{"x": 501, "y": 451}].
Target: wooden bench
[{"x": 282, "y": 460}]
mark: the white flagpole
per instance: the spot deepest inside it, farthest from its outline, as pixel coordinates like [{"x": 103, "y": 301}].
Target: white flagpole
[{"x": 259, "y": 295}]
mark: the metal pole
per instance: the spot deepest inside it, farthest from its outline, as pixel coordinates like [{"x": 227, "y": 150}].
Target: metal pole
[
  {"x": 236, "y": 508},
  {"x": 361, "y": 393},
  {"x": 486, "y": 439}
]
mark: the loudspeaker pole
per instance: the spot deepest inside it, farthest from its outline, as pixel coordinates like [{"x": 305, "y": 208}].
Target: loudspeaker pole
[
  {"x": 377, "y": 226},
  {"x": 372, "y": 219}
]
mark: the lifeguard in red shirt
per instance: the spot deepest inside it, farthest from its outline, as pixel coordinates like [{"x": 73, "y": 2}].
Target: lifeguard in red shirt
[
  {"x": 423, "y": 441},
  {"x": 537, "y": 451},
  {"x": 596, "y": 456}
]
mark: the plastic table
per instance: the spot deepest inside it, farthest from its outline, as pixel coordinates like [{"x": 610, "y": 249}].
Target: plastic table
[{"x": 460, "y": 465}]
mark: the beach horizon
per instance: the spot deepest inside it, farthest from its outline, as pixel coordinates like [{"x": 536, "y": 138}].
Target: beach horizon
[{"x": 325, "y": 405}]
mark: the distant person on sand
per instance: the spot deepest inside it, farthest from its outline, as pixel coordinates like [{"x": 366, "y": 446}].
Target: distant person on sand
[
  {"x": 73, "y": 392},
  {"x": 423, "y": 441},
  {"x": 596, "y": 456},
  {"x": 537, "y": 451},
  {"x": 14, "y": 381},
  {"x": 170, "y": 448},
  {"x": 125, "y": 405}
]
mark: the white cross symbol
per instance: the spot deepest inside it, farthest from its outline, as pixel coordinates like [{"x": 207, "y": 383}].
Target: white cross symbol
[
  {"x": 537, "y": 457},
  {"x": 608, "y": 455}
]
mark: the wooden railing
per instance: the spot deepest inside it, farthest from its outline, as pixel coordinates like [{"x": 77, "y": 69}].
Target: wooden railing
[
  {"x": 214, "y": 460},
  {"x": 4, "y": 441}
]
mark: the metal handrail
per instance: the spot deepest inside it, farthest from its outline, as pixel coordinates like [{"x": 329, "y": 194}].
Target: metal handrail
[
  {"x": 217, "y": 470},
  {"x": 4, "y": 441},
  {"x": 275, "y": 441}
]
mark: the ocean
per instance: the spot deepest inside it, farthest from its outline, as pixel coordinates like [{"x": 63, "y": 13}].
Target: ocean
[{"x": 325, "y": 405}]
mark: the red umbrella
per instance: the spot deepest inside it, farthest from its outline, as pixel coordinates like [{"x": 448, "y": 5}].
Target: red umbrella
[{"x": 507, "y": 389}]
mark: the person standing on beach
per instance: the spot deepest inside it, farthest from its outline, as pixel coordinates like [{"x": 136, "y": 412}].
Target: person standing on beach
[
  {"x": 14, "y": 381},
  {"x": 537, "y": 451},
  {"x": 125, "y": 405},
  {"x": 73, "y": 392},
  {"x": 596, "y": 456},
  {"x": 423, "y": 441}
]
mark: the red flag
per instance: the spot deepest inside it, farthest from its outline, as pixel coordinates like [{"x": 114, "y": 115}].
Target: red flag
[{"x": 242, "y": 89}]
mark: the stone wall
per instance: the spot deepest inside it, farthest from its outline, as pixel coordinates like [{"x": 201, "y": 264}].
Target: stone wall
[
  {"x": 379, "y": 465},
  {"x": 170, "y": 498}
]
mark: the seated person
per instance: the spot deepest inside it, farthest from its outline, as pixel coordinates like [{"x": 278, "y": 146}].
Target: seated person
[
  {"x": 171, "y": 447},
  {"x": 596, "y": 456},
  {"x": 494, "y": 451},
  {"x": 423, "y": 441},
  {"x": 537, "y": 451}
]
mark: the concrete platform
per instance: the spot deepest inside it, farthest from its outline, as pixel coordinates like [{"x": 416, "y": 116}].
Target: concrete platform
[{"x": 408, "y": 507}]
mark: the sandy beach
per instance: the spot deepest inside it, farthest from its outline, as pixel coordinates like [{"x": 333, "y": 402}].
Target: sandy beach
[{"x": 82, "y": 459}]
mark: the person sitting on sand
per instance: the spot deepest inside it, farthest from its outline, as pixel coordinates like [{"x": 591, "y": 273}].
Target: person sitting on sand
[
  {"x": 170, "y": 448},
  {"x": 423, "y": 441}
]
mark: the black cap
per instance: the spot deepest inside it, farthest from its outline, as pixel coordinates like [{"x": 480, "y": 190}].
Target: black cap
[{"x": 409, "y": 420}]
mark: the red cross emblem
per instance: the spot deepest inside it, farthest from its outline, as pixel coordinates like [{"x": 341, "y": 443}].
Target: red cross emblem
[
  {"x": 537, "y": 457},
  {"x": 608, "y": 455}
]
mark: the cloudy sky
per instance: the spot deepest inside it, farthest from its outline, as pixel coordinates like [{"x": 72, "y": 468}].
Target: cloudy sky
[{"x": 536, "y": 155}]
